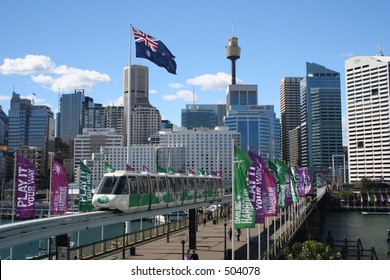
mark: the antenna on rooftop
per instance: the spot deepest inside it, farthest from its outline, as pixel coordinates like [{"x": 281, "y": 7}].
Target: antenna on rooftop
[{"x": 380, "y": 46}]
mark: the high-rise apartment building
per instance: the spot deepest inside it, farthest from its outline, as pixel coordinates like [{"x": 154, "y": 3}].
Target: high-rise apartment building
[
  {"x": 368, "y": 101},
  {"x": 321, "y": 124},
  {"x": 91, "y": 140},
  {"x": 206, "y": 149},
  {"x": 113, "y": 118},
  {"x": 289, "y": 113}
]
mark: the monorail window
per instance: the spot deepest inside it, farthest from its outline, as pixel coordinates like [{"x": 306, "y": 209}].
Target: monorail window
[
  {"x": 121, "y": 186},
  {"x": 156, "y": 195},
  {"x": 133, "y": 184},
  {"x": 107, "y": 185}
]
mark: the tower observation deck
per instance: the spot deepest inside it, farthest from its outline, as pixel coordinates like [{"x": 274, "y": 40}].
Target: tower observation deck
[{"x": 233, "y": 52}]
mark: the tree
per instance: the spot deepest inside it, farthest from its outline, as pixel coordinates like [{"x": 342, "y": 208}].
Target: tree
[{"x": 311, "y": 250}]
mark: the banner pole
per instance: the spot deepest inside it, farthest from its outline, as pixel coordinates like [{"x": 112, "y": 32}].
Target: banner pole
[
  {"x": 233, "y": 228},
  {"x": 129, "y": 100}
]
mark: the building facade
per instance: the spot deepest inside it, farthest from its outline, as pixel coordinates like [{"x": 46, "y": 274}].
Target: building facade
[
  {"x": 91, "y": 141},
  {"x": 321, "y": 123},
  {"x": 368, "y": 101},
  {"x": 203, "y": 115},
  {"x": 289, "y": 113}
]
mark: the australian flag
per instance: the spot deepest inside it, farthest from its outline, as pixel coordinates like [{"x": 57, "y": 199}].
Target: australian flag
[{"x": 153, "y": 49}]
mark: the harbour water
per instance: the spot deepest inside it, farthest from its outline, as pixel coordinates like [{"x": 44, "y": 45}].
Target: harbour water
[
  {"x": 371, "y": 229},
  {"x": 84, "y": 237}
]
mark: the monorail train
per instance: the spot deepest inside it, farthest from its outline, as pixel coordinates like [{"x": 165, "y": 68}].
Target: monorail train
[{"x": 132, "y": 191}]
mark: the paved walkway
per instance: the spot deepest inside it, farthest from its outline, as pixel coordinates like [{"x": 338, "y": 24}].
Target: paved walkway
[{"x": 209, "y": 240}]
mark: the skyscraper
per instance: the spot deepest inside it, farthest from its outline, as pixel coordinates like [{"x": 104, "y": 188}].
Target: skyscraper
[
  {"x": 71, "y": 118},
  {"x": 31, "y": 126},
  {"x": 368, "y": 102},
  {"x": 145, "y": 119},
  {"x": 289, "y": 112},
  {"x": 321, "y": 126}
]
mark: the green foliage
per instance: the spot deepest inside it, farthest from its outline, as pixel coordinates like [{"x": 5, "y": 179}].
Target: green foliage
[
  {"x": 310, "y": 250},
  {"x": 387, "y": 255}
]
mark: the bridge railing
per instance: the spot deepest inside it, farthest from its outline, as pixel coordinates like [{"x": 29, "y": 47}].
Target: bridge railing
[{"x": 103, "y": 247}]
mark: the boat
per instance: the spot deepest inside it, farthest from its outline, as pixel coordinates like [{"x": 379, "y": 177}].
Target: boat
[{"x": 375, "y": 213}]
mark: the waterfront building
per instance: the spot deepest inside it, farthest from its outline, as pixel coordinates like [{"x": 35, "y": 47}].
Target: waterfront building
[
  {"x": 368, "y": 101},
  {"x": 141, "y": 155},
  {"x": 91, "y": 141},
  {"x": 205, "y": 149},
  {"x": 203, "y": 115},
  {"x": 321, "y": 124},
  {"x": 289, "y": 114}
]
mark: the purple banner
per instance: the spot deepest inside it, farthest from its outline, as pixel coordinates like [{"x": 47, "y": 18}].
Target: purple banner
[
  {"x": 59, "y": 189},
  {"x": 288, "y": 194},
  {"x": 300, "y": 179},
  {"x": 307, "y": 181},
  {"x": 25, "y": 188},
  {"x": 263, "y": 191}
]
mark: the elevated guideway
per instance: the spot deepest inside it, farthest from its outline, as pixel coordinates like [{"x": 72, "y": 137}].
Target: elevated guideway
[{"x": 32, "y": 230}]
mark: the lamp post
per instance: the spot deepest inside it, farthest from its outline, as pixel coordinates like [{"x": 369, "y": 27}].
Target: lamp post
[
  {"x": 183, "y": 239},
  {"x": 224, "y": 251}
]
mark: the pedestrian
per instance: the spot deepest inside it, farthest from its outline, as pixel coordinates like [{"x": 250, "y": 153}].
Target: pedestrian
[
  {"x": 238, "y": 234},
  {"x": 188, "y": 255},
  {"x": 194, "y": 255},
  {"x": 204, "y": 221},
  {"x": 230, "y": 233}
]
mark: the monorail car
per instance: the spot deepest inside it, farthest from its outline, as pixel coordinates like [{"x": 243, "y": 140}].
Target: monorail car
[{"x": 132, "y": 191}]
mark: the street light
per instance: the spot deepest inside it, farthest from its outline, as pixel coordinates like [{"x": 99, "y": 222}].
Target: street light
[
  {"x": 183, "y": 239},
  {"x": 225, "y": 224}
]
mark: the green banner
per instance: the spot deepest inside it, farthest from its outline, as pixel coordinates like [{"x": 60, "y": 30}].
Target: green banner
[
  {"x": 108, "y": 168},
  {"x": 244, "y": 213},
  {"x": 85, "y": 192}
]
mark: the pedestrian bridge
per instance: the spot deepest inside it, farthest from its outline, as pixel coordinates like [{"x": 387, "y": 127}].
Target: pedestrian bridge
[{"x": 46, "y": 228}]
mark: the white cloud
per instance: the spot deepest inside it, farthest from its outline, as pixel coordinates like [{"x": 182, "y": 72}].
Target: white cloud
[
  {"x": 28, "y": 65},
  {"x": 176, "y": 85},
  {"x": 184, "y": 95},
  {"x": 5, "y": 98},
  {"x": 57, "y": 78},
  {"x": 152, "y": 91},
  {"x": 116, "y": 102},
  {"x": 218, "y": 81}
]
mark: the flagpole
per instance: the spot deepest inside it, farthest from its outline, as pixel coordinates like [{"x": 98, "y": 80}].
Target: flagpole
[
  {"x": 233, "y": 229},
  {"x": 129, "y": 101},
  {"x": 14, "y": 188},
  {"x": 50, "y": 185}
]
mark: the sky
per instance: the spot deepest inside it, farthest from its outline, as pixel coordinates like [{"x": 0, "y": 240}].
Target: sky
[{"x": 51, "y": 48}]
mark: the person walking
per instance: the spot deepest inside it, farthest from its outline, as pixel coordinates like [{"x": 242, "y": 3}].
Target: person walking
[
  {"x": 238, "y": 234},
  {"x": 194, "y": 255},
  {"x": 230, "y": 232},
  {"x": 188, "y": 255}
]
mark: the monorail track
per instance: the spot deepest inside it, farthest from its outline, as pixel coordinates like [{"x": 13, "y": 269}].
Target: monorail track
[{"x": 32, "y": 230}]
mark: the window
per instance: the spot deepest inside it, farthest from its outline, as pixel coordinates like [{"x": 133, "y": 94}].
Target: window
[{"x": 360, "y": 144}]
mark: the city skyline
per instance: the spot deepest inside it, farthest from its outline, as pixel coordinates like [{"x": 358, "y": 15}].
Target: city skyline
[{"x": 49, "y": 53}]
